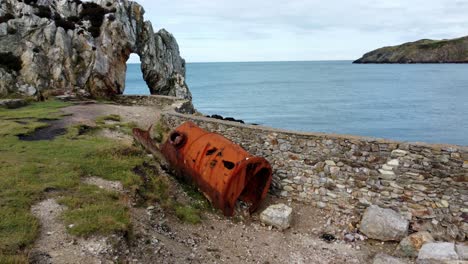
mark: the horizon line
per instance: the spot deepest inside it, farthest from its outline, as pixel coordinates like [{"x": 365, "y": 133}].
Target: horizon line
[{"x": 255, "y": 61}]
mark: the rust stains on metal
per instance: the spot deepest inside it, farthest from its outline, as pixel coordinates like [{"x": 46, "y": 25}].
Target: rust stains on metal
[{"x": 222, "y": 170}]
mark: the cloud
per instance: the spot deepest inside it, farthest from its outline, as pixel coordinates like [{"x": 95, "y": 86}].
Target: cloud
[{"x": 244, "y": 30}]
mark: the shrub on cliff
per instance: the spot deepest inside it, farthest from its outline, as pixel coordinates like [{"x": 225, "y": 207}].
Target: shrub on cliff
[
  {"x": 6, "y": 17},
  {"x": 30, "y": 2},
  {"x": 95, "y": 14},
  {"x": 10, "y": 62},
  {"x": 43, "y": 12},
  {"x": 65, "y": 24}
]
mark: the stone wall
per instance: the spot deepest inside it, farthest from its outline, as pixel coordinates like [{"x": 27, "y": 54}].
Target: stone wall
[
  {"x": 426, "y": 183},
  {"x": 161, "y": 101}
]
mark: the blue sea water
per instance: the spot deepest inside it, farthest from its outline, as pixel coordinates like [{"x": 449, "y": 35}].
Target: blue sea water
[{"x": 414, "y": 102}]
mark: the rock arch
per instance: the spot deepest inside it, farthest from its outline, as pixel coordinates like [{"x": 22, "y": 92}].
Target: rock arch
[{"x": 84, "y": 46}]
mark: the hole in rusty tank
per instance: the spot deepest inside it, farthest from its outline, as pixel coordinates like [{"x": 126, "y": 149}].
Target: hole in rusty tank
[
  {"x": 177, "y": 139},
  {"x": 228, "y": 165},
  {"x": 211, "y": 151},
  {"x": 256, "y": 184},
  {"x": 213, "y": 163}
]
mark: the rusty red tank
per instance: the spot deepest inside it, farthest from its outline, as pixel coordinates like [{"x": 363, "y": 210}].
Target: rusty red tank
[{"x": 222, "y": 170}]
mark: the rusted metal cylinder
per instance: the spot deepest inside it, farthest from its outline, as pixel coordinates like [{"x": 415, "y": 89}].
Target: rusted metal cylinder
[{"x": 222, "y": 170}]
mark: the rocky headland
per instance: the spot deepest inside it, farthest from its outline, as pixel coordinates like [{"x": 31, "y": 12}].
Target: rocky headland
[
  {"x": 421, "y": 51},
  {"x": 61, "y": 46}
]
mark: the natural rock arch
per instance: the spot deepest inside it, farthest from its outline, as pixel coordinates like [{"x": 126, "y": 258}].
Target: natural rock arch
[{"x": 68, "y": 46}]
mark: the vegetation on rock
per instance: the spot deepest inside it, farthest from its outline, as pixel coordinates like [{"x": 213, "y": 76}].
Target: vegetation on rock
[
  {"x": 6, "y": 18},
  {"x": 95, "y": 14}
]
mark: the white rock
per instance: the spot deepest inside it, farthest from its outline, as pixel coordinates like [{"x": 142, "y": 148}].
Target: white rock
[
  {"x": 277, "y": 215},
  {"x": 393, "y": 163},
  {"x": 387, "y": 168},
  {"x": 441, "y": 252},
  {"x": 387, "y": 175},
  {"x": 383, "y": 224},
  {"x": 399, "y": 153},
  {"x": 330, "y": 163}
]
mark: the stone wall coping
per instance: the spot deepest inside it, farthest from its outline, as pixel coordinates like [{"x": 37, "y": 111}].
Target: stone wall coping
[
  {"x": 151, "y": 96},
  {"x": 319, "y": 134}
]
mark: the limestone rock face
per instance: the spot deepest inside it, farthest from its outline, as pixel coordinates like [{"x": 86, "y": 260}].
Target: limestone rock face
[
  {"x": 383, "y": 224},
  {"x": 65, "y": 46}
]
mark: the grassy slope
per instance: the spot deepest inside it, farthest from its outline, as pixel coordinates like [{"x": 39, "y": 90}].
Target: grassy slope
[
  {"x": 423, "y": 46},
  {"x": 29, "y": 170}
]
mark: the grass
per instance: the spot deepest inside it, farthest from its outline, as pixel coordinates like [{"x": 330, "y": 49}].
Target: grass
[{"x": 29, "y": 170}]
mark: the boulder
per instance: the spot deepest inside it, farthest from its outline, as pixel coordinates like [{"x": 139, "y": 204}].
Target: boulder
[
  {"x": 383, "y": 224},
  {"x": 12, "y": 103},
  {"x": 410, "y": 245},
  {"x": 277, "y": 215},
  {"x": 73, "y": 45},
  {"x": 440, "y": 253},
  {"x": 386, "y": 259}
]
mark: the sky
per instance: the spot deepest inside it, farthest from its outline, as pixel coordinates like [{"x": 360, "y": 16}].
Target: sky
[{"x": 272, "y": 30}]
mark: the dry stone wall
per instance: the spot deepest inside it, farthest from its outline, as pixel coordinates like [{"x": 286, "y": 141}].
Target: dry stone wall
[{"x": 426, "y": 183}]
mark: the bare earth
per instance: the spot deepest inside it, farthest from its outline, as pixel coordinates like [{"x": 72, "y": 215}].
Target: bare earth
[{"x": 161, "y": 238}]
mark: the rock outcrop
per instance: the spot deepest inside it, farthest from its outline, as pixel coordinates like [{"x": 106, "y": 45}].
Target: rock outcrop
[
  {"x": 422, "y": 51},
  {"x": 383, "y": 224},
  {"x": 57, "y": 46}
]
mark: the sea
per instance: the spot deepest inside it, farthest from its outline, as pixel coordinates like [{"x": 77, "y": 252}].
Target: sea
[{"x": 407, "y": 102}]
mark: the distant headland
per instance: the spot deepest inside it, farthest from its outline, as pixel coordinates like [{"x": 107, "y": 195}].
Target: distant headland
[{"x": 421, "y": 51}]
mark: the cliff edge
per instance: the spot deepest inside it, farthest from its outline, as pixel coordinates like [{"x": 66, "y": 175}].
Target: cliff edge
[
  {"x": 421, "y": 51},
  {"x": 59, "y": 46}
]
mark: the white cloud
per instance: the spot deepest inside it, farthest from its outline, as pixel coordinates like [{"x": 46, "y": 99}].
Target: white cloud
[{"x": 249, "y": 30}]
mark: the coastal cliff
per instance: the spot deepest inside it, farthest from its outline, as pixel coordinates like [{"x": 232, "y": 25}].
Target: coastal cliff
[
  {"x": 62, "y": 46},
  {"x": 422, "y": 51}
]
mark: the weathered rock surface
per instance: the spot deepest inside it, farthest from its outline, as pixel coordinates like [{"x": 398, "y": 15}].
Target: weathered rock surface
[
  {"x": 422, "y": 51},
  {"x": 462, "y": 250},
  {"x": 62, "y": 46},
  {"x": 411, "y": 244},
  {"x": 383, "y": 224},
  {"x": 441, "y": 252},
  {"x": 277, "y": 215},
  {"x": 386, "y": 259}
]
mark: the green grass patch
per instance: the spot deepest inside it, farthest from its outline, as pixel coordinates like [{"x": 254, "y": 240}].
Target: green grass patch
[
  {"x": 92, "y": 210},
  {"x": 188, "y": 213},
  {"x": 103, "y": 119},
  {"x": 30, "y": 170},
  {"x": 13, "y": 259}
]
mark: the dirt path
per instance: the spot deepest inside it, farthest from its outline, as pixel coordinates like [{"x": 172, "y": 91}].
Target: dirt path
[
  {"x": 54, "y": 245},
  {"x": 86, "y": 113}
]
